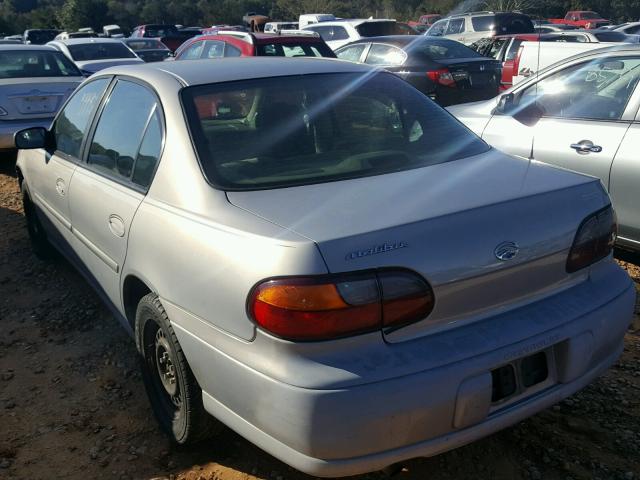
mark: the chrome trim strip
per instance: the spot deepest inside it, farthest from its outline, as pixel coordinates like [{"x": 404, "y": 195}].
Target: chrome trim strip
[{"x": 58, "y": 216}]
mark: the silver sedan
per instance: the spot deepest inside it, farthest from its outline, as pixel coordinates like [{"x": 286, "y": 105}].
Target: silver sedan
[
  {"x": 35, "y": 81},
  {"x": 301, "y": 250},
  {"x": 581, "y": 114}
]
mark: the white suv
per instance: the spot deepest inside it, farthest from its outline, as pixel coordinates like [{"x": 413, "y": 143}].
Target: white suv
[
  {"x": 341, "y": 32},
  {"x": 471, "y": 27}
]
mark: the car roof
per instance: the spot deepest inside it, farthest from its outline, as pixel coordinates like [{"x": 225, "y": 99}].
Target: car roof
[
  {"x": 259, "y": 38},
  {"x": 352, "y": 21},
  {"x": 400, "y": 40},
  {"x": 201, "y": 72},
  {"x": 82, "y": 41},
  {"x": 519, "y": 36},
  {"x": 30, "y": 48}
]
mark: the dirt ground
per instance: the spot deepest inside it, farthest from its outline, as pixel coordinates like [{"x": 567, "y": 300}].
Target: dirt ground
[{"x": 72, "y": 404}]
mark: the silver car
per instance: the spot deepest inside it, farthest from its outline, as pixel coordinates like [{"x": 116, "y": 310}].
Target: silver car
[
  {"x": 581, "y": 114},
  {"x": 35, "y": 82},
  {"x": 299, "y": 249},
  {"x": 94, "y": 54}
]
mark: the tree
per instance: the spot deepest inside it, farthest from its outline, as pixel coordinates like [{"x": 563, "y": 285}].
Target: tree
[{"x": 75, "y": 14}]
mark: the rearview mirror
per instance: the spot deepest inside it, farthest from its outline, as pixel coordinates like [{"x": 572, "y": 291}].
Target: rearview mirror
[{"x": 30, "y": 138}]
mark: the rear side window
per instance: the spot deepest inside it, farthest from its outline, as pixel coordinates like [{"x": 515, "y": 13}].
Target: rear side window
[
  {"x": 502, "y": 24},
  {"x": 339, "y": 33},
  {"x": 456, "y": 25},
  {"x": 285, "y": 131},
  {"x": 125, "y": 118},
  {"x": 71, "y": 125},
  {"x": 213, "y": 49},
  {"x": 149, "y": 153},
  {"x": 385, "y": 55},
  {"x": 351, "y": 53},
  {"x": 232, "y": 51},
  {"x": 483, "y": 24}
]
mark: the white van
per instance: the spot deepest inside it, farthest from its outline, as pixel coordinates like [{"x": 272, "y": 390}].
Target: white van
[{"x": 311, "y": 18}]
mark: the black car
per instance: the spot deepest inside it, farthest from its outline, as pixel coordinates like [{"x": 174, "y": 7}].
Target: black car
[
  {"x": 39, "y": 36},
  {"x": 445, "y": 70},
  {"x": 148, "y": 49}
]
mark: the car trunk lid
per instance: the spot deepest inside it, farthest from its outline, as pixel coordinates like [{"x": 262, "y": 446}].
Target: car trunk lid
[
  {"x": 35, "y": 97},
  {"x": 447, "y": 222},
  {"x": 474, "y": 73}
]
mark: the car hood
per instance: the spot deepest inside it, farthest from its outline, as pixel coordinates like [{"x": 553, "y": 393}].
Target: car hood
[
  {"x": 445, "y": 222},
  {"x": 93, "y": 66}
]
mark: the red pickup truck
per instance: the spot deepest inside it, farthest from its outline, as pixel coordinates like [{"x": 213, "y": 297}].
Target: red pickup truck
[{"x": 582, "y": 19}]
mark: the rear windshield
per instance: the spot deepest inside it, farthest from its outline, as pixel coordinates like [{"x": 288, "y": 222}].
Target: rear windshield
[
  {"x": 40, "y": 37},
  {"x": 160, "y": 30},
  {"x": 141, "y": 44},
  {"x": 441, "y": 50},
  {"x": 502, "y": 24},
  {"x": 379, "y": 29},
  {"x": 613, "y": 37},
  {"x": 294, "y": 49},
  {"x": 25, "y": 63},
  {"x": 286, "y": 131},
  {"x": 99, "y": 51}
]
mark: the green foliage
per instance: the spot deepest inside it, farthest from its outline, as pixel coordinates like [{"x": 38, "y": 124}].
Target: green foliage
[{"x": 17, "y": 15}]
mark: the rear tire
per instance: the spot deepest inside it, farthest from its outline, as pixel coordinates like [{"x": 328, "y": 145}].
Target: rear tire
[
  {"x": 37, "y": 235},
  {"x": 174, "y": 393}
]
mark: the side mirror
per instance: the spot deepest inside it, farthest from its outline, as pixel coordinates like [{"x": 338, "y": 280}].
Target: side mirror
[
  {"x": 30, "y": 138},
  {"x": 505, "y": 104}
]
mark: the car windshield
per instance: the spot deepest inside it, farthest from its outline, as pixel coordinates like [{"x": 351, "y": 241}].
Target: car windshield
[
  {"x": 99, "y": 51},
  {"x": 141, "y": 44},
  {"x": 29, "y": 63},
  {"x": 40, "y": 37},
  {"x": 294, "y": 49},
  {"x": 285, "y": 131},
  {"x": 379, "y": 29},
  {"x": 433, "y": 49}
]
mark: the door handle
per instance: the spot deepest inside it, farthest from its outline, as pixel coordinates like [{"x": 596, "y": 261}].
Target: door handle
[
  {"x": 583, "y": 147},
  {"x": 61, "y": 188}
]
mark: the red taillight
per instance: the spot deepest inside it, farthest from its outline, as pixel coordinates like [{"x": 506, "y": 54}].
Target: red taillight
[
  {"x": 333, "y": 306},
  {"x": 594, "y": 239},
  {"x": 442, "y": 76}
]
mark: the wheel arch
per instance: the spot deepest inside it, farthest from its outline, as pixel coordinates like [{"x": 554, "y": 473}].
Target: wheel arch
[{"x": 133, "y": 289}]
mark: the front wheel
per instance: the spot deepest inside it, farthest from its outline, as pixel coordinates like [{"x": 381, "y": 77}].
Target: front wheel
[{"x": 174, "y": 393}]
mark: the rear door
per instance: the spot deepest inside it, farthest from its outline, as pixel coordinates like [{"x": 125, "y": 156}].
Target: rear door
[
  {"x": 121, "y": 156},
  {"x": 50, "y": 173}
]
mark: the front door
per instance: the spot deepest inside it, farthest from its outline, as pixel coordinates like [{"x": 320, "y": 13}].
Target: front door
[
  {"x": 108, "y": 188},
  {"x": 586, "y": 114},
  {"x": 50, "y": 172}
]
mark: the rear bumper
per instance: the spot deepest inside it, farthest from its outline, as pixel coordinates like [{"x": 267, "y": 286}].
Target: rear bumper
[
  {"x": 347, "y": 430},
  {"x": 8, "y": 128}
]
